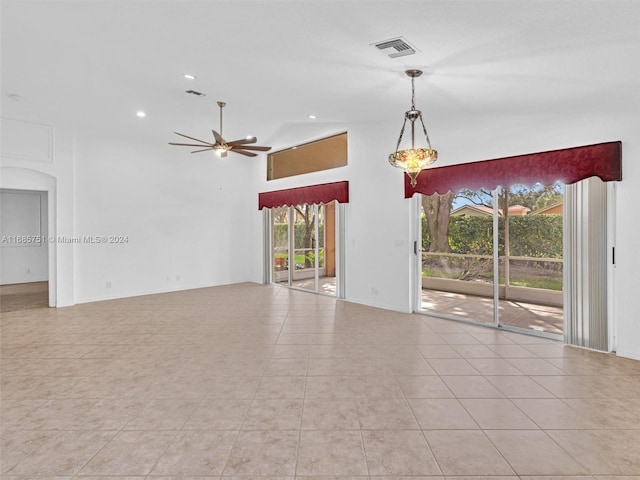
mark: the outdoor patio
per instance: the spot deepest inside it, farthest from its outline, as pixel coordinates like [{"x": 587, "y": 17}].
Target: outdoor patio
[{"x": 530, "y": 316}]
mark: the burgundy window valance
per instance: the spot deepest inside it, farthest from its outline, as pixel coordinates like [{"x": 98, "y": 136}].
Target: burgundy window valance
[
  {"x": 323, "y": 193},
  {"x": 568, "y": 165}
]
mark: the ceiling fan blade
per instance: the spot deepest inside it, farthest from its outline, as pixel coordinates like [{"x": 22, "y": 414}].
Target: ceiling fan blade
[
  {"x": 218, "y": 137},
  {"x": 190, "y": 144},
  {"x": 244, "y": 152},
  {"x": 191, "y": 138},
  {"x": 243, "y": 141},
  {"x": 256, "y": 147},
  {"x": 203, "y": 150}
]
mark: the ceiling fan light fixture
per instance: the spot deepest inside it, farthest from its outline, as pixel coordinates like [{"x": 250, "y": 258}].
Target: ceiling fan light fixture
[
  {"x": 414, "y": 159},
  {"x": 220, "y": 146},
  {"x": 220, "y": 151}
]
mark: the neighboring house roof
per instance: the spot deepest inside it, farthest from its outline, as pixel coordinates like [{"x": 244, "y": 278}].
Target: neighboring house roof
[
  {"x": 472, "y": 210},
  {"x": 554, "y": 208},
  {"x": 475, "y": 210}
]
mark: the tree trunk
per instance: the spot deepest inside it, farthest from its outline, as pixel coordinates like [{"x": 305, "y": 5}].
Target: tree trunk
[
  {"x": 309, "y": 224},
  {"x": 437, "y": 209}
]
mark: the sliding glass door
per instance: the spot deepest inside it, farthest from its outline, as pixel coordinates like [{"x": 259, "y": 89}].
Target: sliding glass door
[
  {"x": 457, "y": 259},
  {"x": 495, "y": 257},
  {"x": 304, "y": 247}
]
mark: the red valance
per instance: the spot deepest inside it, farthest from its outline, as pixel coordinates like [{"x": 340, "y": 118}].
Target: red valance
[
  {"x": 323, "y": 193},
  {"x": 568, "y": 165}
]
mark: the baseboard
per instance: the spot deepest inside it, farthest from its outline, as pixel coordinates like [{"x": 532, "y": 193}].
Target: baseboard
[{"x": 141, "y": 293}]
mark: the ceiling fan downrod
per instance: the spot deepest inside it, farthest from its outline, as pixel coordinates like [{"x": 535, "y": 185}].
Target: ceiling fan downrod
[{"x": 221, "y": 105}]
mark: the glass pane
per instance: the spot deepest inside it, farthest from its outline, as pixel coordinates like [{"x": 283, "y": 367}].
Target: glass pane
[
  {"x": 457, "y": 255},
  {"x": 280, "y": 242},
  {"x": 531, "y": 257},
  {"x": 327, "y": 249},
  {"x": 303, "y": 266}
]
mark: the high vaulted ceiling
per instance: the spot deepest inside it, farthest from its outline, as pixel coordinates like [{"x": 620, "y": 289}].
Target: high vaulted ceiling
[{"x": 95, "y": 63}]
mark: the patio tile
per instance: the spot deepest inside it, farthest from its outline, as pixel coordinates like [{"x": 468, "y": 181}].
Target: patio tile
[
  {"x": 161, "y": 414},
  {"x": 274, "y": 414},
  {"x": 452, "y": 366},
  {"x": 398, "y": 452},
  {"x": 325, "y": 414},
  {"x": 466, "y": 452},
  {"x": 532, "y": 452},
  {"x": 438, "y": 351},
  {"x": 268, "y": 453},
  {"x": 218, "y": 414},
  {"x": 385, "y": 413},
  {"x": 497, "y": 414},
  {"x": 129, "y": 453},
  {"x": 285, "y": 367},
  {"x": 196, "y": 453},
  {"x": 471, "y": 387},
  {"x": 603, "y": 452},
  {"x": 519, "y": 387},
  {"x": 63, "y": 454},
  {"x": 494, "y": 366},
  {"x": 554, "y": 414},
  {"x": 331, "y": 453},
  {"x": 440, "y": 414},
  {"x": 424, "y": 387},
  {"x": 281, "y": 387},
  {"x": 535, "y": 366}
]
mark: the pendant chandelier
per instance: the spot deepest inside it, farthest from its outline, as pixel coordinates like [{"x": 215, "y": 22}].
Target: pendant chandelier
[{"x": 413, "y": 160}]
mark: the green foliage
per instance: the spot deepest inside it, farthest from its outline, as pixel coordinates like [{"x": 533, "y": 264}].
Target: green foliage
[
  {"x": 529, "y": 235},
  {"x": 536, "y": 236},
  {"x": 473, "y": 235},
  {"x": 281, "y": 230}
]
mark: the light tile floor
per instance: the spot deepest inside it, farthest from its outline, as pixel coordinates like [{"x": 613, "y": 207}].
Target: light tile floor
[{"x": 247, "y": 381}]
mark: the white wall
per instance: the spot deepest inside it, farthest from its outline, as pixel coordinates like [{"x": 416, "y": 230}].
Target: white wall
[
  {"x": 23, "y": 228},
  {"x": 178, "y": 220}
]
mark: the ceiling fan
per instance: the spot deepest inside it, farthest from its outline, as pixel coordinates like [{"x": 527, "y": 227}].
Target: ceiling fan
[{"x": 222, "y": 147}]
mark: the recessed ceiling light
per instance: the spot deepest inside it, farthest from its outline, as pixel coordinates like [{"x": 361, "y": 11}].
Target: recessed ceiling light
[
  {"x": 141, "y": 114},
  {"x": 188, "y": 76},
  {"x": 312, "y": 117}
]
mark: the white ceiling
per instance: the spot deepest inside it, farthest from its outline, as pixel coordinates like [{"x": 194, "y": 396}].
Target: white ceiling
[{"x": 95, "y": 63}]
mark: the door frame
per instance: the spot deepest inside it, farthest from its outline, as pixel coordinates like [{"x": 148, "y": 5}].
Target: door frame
[
  {"x": 16, "y": 178},
  {"x": 339, "y": 226}
]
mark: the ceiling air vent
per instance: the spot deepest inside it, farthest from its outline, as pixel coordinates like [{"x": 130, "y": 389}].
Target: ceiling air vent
[
  {"x": 193, "y": 92},
  {"x": 396, "y": 47}
]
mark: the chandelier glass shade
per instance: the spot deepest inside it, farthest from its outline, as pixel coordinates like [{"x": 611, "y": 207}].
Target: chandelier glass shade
[{"x": 414, "y": 159}]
